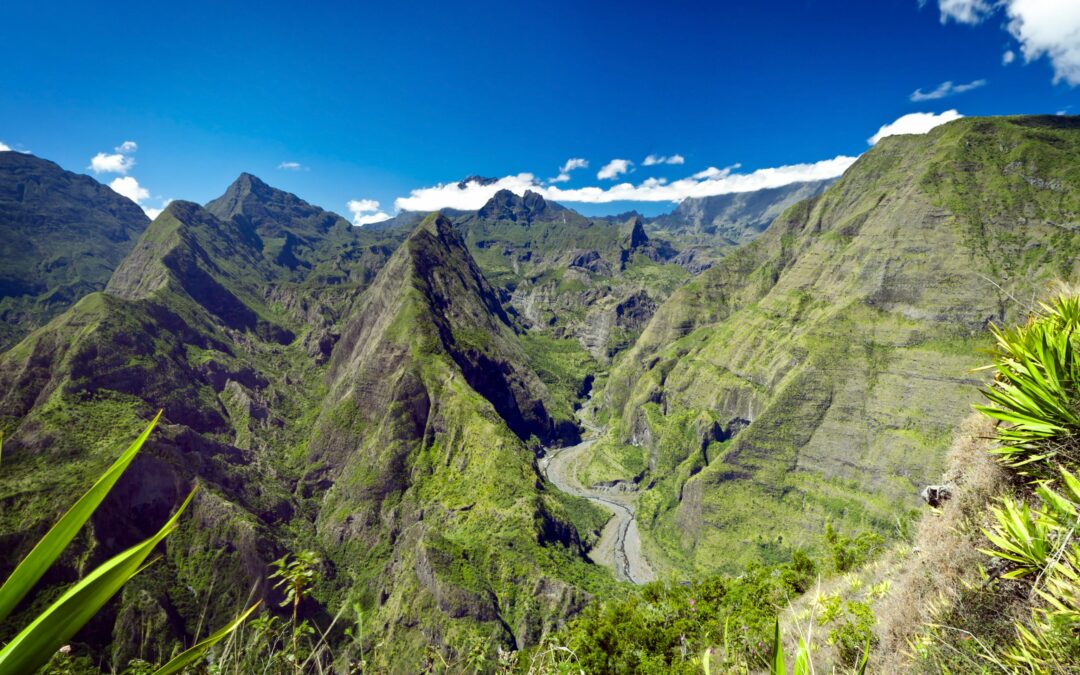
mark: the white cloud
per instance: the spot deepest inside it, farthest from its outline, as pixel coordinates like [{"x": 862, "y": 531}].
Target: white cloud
[
  {"x": 119, "y": 161},
  {"x": 711, "y": 181},
  {"x": 472, "y": 195},
  {"x": 574, "y": 163},
  {"x": 130, "y": 188},
  {"x": 116, "y": 163},
  {"x": 614, "y": 169},
  {"x": 945, "y": 89},
  {"x": 660, "y": 159},
  {"x": 4, "y": 147},
  {"x": 706, "y": 183},
  {"x": 290, "y": 166},
  {"x": 571, "y": 164},
  {"x": 914, "y": 123},
  {"x": 965, "y": 11},
  {"x": 1008, "y": 57},
  {"x": 1049, "y": 28},
  {"x": 366, "y": 212}
]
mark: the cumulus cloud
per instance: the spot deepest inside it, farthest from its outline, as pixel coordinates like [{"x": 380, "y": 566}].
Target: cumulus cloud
[
  {"x": 366, "y": 212},
  {"x": 130, "y": 188},
  {"x": 1050, "y": 29},
  {"x": 290, "y": 166},
  {"x": 711, "y": 181},
  {"x": 119, "y": 161},
  {"x": 660, "y": 159},
  {"x": 945, "y": 89},
  {"x": 1008, "y": 57},
  {"x": 571, "y": 164},
  {"x": 614, "y": 169},
  {"x": 466, "y": 195},
  {"x": 1041, "y": 27},
  {"x": 4, "y": 147},
  {"x": 914, "y": 123},
  {"x": 111, "y": 163}
]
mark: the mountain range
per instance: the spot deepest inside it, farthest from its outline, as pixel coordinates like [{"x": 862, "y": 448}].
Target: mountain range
[{"x": 759, "y": 365}]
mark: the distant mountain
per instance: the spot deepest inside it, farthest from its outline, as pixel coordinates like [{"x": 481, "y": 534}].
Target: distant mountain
[
  {"x": 570, "y": 276},
  {"x": 61, "y": 236},
  {"x": 737, "y": 217}
]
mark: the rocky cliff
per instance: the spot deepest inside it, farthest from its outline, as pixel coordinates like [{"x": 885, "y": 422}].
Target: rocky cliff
[{"x": 817, "y": 373}]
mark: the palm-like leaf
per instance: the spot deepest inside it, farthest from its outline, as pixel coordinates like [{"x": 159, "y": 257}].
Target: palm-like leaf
[
  {"x": 60, "y": 535},
  {"x": 33, "y": 647},
  {"x": 1020, "y": 537}
]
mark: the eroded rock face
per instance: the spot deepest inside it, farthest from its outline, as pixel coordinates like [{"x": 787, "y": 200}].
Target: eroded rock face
[
  {"x": 693, "y": 260},
  {"x": 591, "y": 262},
  {"x": 737, "y": 217},
  {"x": 817, "y": 333}
]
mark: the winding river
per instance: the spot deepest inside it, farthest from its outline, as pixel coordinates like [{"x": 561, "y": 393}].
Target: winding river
[{"x": 619, "y": 546}]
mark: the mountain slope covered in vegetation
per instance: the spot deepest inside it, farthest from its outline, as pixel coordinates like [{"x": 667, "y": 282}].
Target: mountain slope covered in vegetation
[
  {"x": 817, "y": 373},
  {"x": 64, "y": 234}
]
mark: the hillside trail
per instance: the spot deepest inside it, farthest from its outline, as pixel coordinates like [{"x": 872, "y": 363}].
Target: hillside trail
[{"x": 619, "y": 546}]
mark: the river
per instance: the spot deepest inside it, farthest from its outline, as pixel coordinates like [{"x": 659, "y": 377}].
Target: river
[{"x": 619, "y": 546}]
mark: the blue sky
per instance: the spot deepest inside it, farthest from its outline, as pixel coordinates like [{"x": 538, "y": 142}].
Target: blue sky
[{"x": 373, "y": 101}]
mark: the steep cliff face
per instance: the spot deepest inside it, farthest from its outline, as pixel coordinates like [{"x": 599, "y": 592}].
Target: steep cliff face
[
  {"x": 817, "y": 373},
  {"x": 425, "y": 449},
  {"x": 200, "y": 321},
  {"x": 62, "y": 236}
]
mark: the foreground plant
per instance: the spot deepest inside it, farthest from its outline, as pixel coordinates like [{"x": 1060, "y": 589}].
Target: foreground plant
[
  {"x": 1036, "y": 389},
  {"x": 296, "y": 577},
  {"x": 803, "y": 664},
  {"x": 1036, "y": 395},
  {"x": 32, "y": 647}
]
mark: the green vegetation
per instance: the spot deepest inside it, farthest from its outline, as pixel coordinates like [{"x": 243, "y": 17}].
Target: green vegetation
[
  {"x": 1035, "y": 391},
  {"x": 36, "y": 644},
  {"x": 722, "y": 623},
  {"x": 834, "y": 370},
  {"x": 564, "y": 366},
  {"x": 371, "y": 407},
  {"x": 62, "y": 240}
]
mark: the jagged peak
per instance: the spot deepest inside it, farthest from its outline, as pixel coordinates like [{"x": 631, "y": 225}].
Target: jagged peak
[
  {"x": 270, "y": 209},
  {"x": 506, "y": 205},
  {"x": 179, "y": 208},
  {"x": 635, "y": 232},
  {"x": 438, "y": 225},
  {"x": 250, "y": 183},
  {"x": 478, "y": 180}
]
